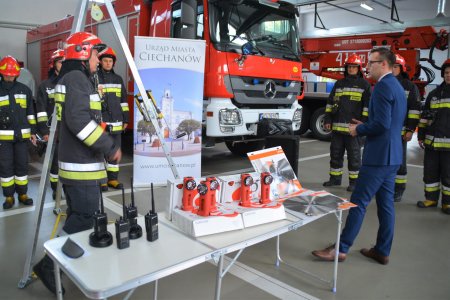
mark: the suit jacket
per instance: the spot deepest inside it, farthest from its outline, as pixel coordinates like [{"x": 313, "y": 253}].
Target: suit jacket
[{"x": 387, "y": 112}]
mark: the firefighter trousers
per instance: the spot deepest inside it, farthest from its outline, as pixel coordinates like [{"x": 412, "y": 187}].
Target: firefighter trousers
[
  {"x": 54, "y": 169},
  {"x": 436, "y": 171},
  {"x": 14, "y": 167},
  {"x": 339, "y": 144},
  {"x": 112, "y": 167},
  {"x": 400, "y": 179},
  {"x": 82, "y": 203}
]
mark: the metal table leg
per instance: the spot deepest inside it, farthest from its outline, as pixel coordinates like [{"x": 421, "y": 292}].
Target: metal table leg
[
  {"x": 59, "y": 294},
  {"x": 336, "y": 252},
  {"x": 219, "y": 277},
  {"x": 155, "y": 291}
]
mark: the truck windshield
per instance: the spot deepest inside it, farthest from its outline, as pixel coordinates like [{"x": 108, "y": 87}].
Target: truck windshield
[{"x": 271, "y": 30}]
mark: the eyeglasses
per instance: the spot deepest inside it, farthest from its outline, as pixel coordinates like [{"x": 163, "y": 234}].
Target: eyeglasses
[{"x": 371, "y": 62}]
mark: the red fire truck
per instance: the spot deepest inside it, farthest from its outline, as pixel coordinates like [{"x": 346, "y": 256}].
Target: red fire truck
[
  {"x": 252, "y": 72},
  {"x": 326, "y": 57}
]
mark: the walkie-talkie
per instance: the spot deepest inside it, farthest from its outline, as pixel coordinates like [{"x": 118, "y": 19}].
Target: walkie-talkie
[
  {"x": 151, "y": 221},
  {"x": 123, "y": 227},
  {"x": 132, "y": 214},
  {"x": 100, "y": 238}
]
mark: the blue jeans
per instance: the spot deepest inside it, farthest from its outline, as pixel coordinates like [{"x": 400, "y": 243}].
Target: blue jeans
[{"x": 378, "y": 181}]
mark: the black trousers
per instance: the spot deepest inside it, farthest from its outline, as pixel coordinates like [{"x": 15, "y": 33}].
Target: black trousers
[
  {"x": 82, "y": 203},
  {"x": 436, "y": 171},
  {"x": 54, "y": 169},
  {"x": 400, "y": 179},
  {"x": 339, "y": 144},
  {"x": 112, "y": 167},
  {"x": 14, "y": 167}
]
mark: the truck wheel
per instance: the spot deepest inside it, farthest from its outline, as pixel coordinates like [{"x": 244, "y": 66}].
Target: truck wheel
[
  {"x": 304, "y": 126},
  {"x": 317, "y": 125},
  {"x": 242, "y": 148}
]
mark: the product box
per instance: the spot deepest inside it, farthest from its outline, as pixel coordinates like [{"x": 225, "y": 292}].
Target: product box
[
  {"x": 196, "y": 226},
  {"x": 259, "y": 213}
]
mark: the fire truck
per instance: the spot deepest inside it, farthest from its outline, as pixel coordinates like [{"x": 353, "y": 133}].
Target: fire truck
[
  {"x": 252, "y": 73},
  {"x": 326, "y": 57}
]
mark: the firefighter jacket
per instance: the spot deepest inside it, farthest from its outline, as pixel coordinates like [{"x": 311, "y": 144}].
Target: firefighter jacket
[
  {"x": 434, "y": 125},
  {"x": 45, "y": 104},
  {"x": 113, "y": 94},
  {"x": 17, "y": 119},
  {"x": 349, "y": 99},
  {"x": 413, "y": 102},
  {"x": 83, "y": 144}
]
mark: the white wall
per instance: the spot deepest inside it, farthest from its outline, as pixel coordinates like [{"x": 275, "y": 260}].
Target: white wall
[{"x": 13, "y": 41}]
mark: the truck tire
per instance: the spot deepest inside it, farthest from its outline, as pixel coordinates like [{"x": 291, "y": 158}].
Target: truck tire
[
  {"x": 304, "y": 126},
  {"x": 242, "y": 148},
  {"x": 317, "y": 125}
]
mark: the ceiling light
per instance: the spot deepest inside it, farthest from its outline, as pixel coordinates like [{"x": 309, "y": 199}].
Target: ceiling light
[{"x": 366, "y": 6}]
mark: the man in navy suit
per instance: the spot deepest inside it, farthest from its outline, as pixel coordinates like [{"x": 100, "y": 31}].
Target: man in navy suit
[{"x": 381, "y": 159}]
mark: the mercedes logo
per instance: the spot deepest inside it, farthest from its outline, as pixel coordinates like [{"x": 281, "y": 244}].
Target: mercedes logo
[{"x": 270, "y": 89}]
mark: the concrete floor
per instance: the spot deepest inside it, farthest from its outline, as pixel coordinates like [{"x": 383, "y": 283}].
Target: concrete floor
[{"x": 419, "y": 266}]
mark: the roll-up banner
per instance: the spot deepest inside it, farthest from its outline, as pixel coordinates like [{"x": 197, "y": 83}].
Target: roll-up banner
[{"x": 173, "y": 70}]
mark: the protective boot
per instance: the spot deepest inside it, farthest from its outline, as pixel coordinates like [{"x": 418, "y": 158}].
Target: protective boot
[
  {"x": 351, "y": 186},
  {"x": 104, "y": 187},
  {"x": 44, "y": 269},
  {"x": 115, "y": 184},
  {"x": 398, "y": 196},
  {"x": 446, "y": 209},
  {"x": 334, "y": 180},
  {"x": 9, "y": 202},
  {"x": 25, "y": 200},
  {"x": 54, "y": 186},
  {"x": 426, "y": 203}
]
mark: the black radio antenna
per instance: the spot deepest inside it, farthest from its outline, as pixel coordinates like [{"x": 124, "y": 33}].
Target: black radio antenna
[
  {"x": 132, "y": 192},
  {"x": 123, "y": 204},
  {"x": 153, "y": 199},
  {"x": 102, "y": 207}
]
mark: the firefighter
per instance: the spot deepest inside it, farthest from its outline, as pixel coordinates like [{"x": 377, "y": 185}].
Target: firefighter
[
  {"x": 17, "y": 126},
  {"x": 45, "y": 105},
  {"x": 434, "y": 137},
  {"x": 83, "y": 144},
  {"x": 411, "y": 120},
  {"x": 348, "y": 100},
  {"x": 115, "y": 110}
]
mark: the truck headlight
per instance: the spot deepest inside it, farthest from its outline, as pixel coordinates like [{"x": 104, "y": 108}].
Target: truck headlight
[
  {"x": 297, "y": 115},
  {"x": 229, "y": 117}
]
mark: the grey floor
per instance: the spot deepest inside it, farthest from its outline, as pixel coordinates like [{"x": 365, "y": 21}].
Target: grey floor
[{"x": 419, "y": 266}]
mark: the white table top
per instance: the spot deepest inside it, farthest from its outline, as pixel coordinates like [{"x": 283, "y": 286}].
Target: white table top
[{"x": 103, "y": 272}]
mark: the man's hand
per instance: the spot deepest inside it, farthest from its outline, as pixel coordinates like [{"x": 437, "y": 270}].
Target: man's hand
[
  {"x": 421, "y": 145},
  {"x": 352, "y": 127},
  {"x": 327, "y": 126},
  {"x": 407, "y": 136},
  {"x": 45, "y": 138},
  {"x": 116, "y": 156},
  {"x": 125, "y": 125},
  {"x": 33, "y": 139}
]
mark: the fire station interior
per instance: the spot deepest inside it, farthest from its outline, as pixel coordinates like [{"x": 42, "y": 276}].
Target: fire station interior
[{"x": 419, "y": 266}]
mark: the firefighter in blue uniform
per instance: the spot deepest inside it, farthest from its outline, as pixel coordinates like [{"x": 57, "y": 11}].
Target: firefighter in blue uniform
[
  {"x": 45, "y": 105},
  {"x": 115, "y": 111},
  {"x": 348, "y": 100},
  {"x": 434, "y": 136},
  {"x": 17, "y": 126},
  {"x": 411, "y": 120},
  {"x": 83, "y": 144}
]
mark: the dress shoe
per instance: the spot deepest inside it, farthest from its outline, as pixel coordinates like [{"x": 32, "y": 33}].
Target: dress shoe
[
  {"x": 327, "y": 254},
  {"x": 373, "y": 254},
  {"x": 427, "y": 203}
]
